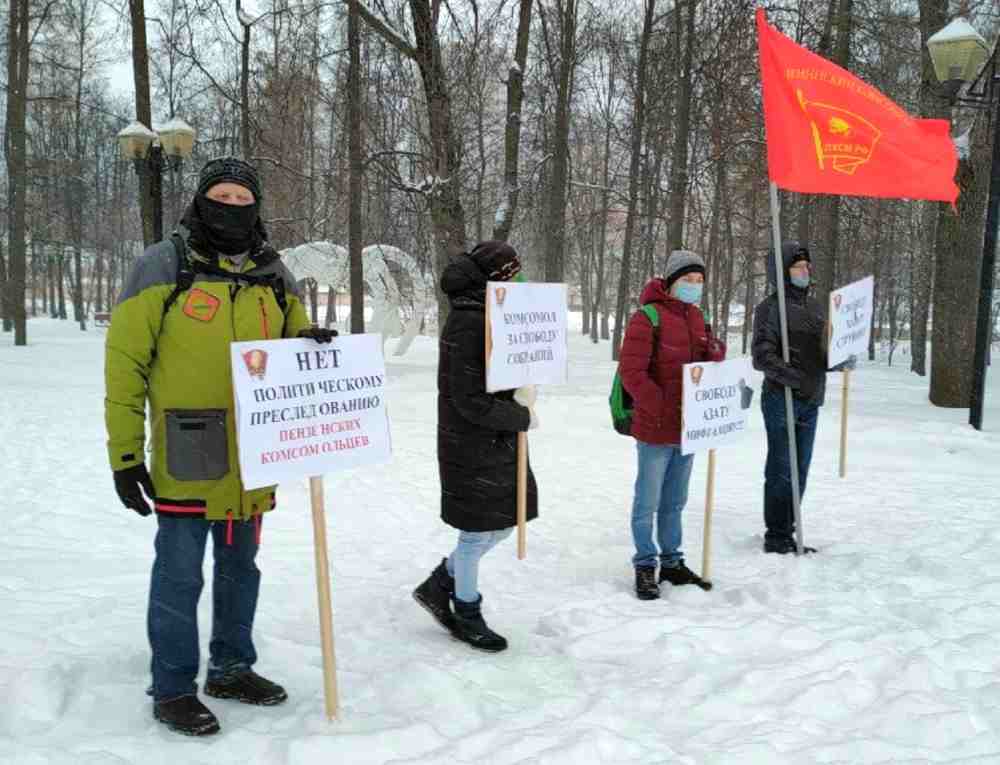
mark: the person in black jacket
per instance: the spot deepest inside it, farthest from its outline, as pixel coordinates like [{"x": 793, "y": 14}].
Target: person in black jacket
[
  {"x": 805, "y": 374},
  {"x": 477, "y": 447}
]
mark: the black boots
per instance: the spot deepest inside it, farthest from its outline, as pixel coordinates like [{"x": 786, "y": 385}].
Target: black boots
[
  {"x": 646, "y": 587},
  {"x": 680, "y": 575},
  {"x": 187, "y": 715},
  {"x": 784, "y": 546},
  {"x": 470, "y": 627},
  {"x": 247, "y": 687},
  {"x": 435, "y": 594}
]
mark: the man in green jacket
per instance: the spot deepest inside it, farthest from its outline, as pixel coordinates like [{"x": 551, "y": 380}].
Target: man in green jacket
[{"x": 214, "y": 282}]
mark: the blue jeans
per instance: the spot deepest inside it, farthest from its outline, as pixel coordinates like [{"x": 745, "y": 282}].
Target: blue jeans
[
  {"x": 176, "y": 585},
  {"x": 661, "y": 490},
  {"x": 779, "y": 512},
  {"x": 463, "y": 563}
]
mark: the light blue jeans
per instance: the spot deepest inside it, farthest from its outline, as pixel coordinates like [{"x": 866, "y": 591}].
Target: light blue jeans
[
  {"x": 661, "y": 491},
  {"x": 463, "y": 563}
]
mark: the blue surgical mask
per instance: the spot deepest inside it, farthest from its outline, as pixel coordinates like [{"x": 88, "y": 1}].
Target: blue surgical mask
[
  {"x": 801, "y": 281},
  {"x": 689, "y": 292}
]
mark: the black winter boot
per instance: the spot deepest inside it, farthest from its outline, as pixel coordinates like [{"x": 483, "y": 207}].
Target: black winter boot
[
  {"x": 187, "y": 715},
  {"x": 646, "y": 587},
  {"x": 247, "y": 687},
  {"x": 785, "y": 546},
  {"x": 680, "y": 575},
  {"x": 470, "y": 627},
  {"x": 435, "y": 595}
]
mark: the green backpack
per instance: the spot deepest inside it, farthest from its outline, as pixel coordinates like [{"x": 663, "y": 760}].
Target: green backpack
[{"x": 620, "y": 400}]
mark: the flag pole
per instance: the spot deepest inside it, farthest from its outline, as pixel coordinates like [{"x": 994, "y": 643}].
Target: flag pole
[{"x": 793, "y": 451}]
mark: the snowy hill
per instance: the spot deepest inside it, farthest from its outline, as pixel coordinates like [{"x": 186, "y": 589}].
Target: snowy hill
[{"x": 882, "y": 648}]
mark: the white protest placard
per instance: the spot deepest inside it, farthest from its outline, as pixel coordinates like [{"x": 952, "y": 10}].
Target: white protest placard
[
  {"x": 717, "y": 401},
  {"x": 527, "y": 337},
  {"x": 305, "y": 408},
  {"x": 851, "y": 310}
]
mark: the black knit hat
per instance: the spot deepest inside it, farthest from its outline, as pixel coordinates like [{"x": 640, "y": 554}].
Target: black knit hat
[
  {"x": 498, "y": 260},
  {"x": 229, "y": 170}
]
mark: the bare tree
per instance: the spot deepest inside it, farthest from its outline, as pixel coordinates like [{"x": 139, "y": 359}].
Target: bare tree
[
  {"x": 443, "y": 192},
  {"x": 638, "y": 129},
  {"x": 504, "y": 219},
  {"x": 20, "y": 37}
]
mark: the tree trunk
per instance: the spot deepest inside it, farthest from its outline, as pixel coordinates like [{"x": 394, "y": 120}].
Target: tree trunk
[
  {"x": 143, "y": 111},
  {"x": 504, "y": 220},
  {"x": 711, "y": 295},
  {"x": 933, "y": 16},
  {"x": 18, "y": 61},
  {"x": 638, "y": 127},
  {"x": 244, "y": 90},
  {"x": 8, "y": 322},
  {"x": 959, "y": 249},
  {"x": 61, "y": 281},
  {"x": 601, "y": 302},
  {"x": 807, "y": 202},
  {"x": 828, "y": 224},
  {"x": 354, "y": 222},
  {"x": 682, "y": 132},
  {"x": 444, "y": 198},
  {"x": 555, "y": 245}
]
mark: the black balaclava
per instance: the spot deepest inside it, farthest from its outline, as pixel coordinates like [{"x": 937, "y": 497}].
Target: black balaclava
[{"x": 217, "y": 227}]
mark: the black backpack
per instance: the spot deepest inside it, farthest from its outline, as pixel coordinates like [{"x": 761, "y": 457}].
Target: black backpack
[{"x": 186, "y": 274}]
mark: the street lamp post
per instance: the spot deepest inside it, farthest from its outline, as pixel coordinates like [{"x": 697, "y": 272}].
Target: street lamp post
[
  {"x": 153, "y": 152},
  {"x": 961, "y": 56}
]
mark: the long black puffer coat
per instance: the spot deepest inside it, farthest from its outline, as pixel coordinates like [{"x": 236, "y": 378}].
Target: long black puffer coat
[
  {"x": 806, "y": 335},
  {"x": 477, "y": 431}
]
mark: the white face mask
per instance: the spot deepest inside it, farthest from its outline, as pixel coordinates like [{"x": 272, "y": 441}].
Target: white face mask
[{"x": 801, "y": 281}]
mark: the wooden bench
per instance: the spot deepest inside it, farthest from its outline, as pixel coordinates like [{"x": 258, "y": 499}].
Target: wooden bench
[{"x": 102, "y": 319}]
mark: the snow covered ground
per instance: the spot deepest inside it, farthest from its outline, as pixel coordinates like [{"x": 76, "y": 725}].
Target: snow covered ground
[{"x": 882, "y": 648}]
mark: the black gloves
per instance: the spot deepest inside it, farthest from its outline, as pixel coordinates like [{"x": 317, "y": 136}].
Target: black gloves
[
  {"x": 128, "y": 483},
  {"x": 789, "y": 376},
  {"x": 319, "y": 334}
]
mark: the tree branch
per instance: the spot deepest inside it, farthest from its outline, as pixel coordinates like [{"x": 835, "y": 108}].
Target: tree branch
[{"x": 386, "y": 32}]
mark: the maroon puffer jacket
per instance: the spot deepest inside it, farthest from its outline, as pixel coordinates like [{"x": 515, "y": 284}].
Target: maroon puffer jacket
[{"x": 656, "y": 384}]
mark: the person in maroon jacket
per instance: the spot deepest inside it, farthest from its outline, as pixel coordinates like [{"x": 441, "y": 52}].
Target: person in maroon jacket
[{"x": 651, "y": 373}]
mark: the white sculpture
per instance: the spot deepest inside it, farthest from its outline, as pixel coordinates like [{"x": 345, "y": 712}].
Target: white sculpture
[{"x": 329, "y": 264}]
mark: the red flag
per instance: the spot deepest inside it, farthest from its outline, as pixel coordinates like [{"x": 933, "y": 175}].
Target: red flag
[{"x": 829, "y": 132}]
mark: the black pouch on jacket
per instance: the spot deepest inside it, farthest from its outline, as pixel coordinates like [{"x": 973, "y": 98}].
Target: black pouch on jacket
[{"x": 197, "y": 447}]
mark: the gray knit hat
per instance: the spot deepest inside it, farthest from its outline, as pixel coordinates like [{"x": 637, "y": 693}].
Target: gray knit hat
[{"x": 682, "y": 262}]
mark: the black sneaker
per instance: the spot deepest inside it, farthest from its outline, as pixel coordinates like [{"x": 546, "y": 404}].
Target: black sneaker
[
  {"x": 187, "y": 715},
  {"x": 646, "y": 587},
  {"x": 435, "y": 594},
  {"x": 680, "y": 575},
  {"x": 470, "y": 627},
  {"x": 785, "y": 546},
  {"x": 247, "y": 687}
]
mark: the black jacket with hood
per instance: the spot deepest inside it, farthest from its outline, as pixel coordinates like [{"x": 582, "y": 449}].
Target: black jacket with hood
[
  {"x": 477, "y": 431},
  {"x": 806, "y": 374}
]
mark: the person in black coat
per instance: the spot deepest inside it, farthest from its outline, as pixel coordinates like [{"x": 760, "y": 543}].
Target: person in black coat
[
  {"x": 477, "y": 446},
  {"x": 805, "y": 374}
]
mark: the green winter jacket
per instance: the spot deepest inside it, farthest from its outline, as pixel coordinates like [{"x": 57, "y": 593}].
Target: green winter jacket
[{"x": 179, "y": 363}]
